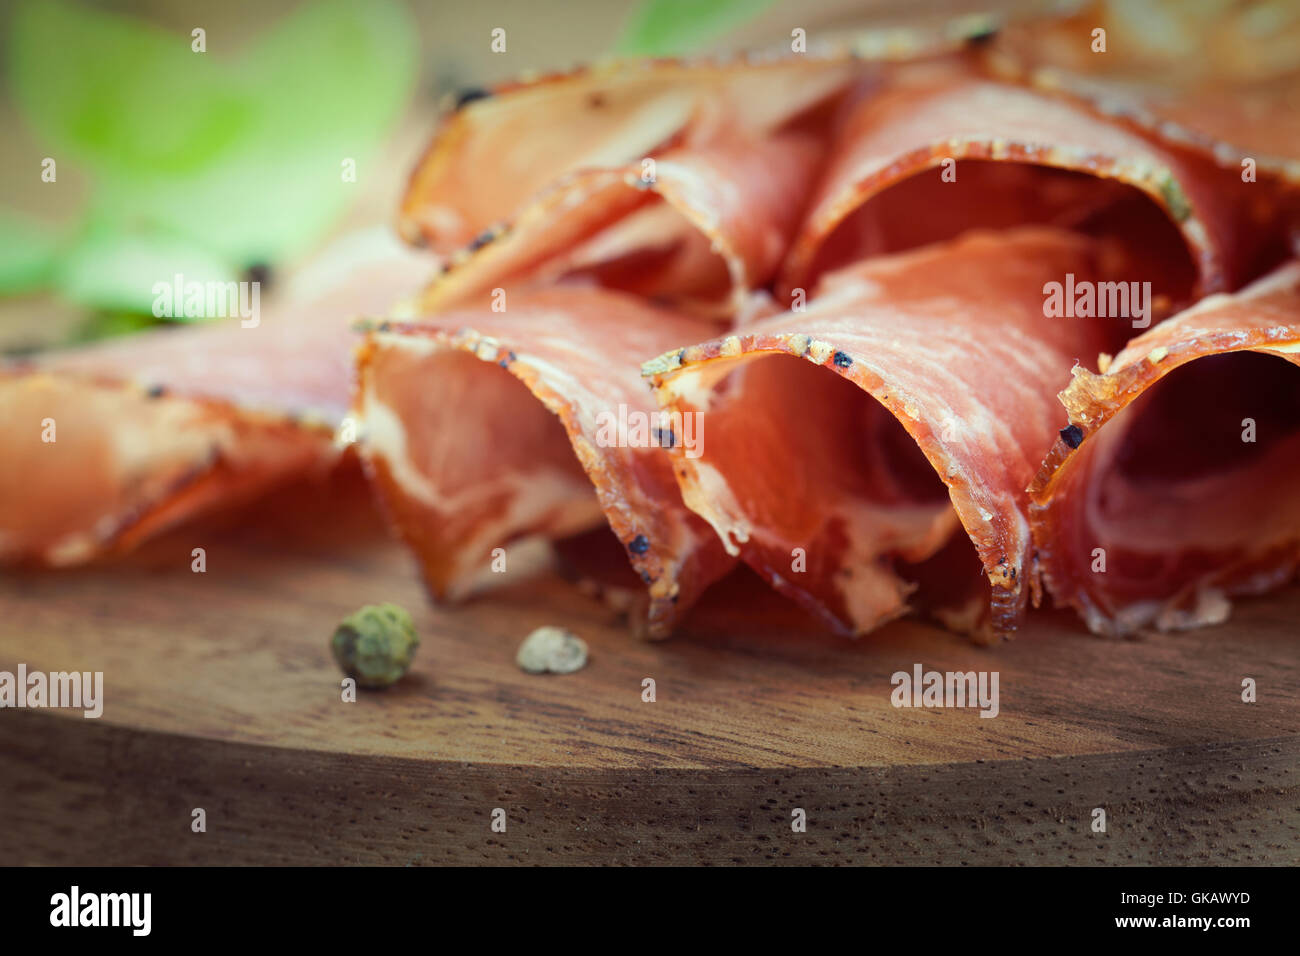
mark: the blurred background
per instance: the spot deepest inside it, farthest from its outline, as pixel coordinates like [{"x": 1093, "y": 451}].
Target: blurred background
[{"x": 136, "y": 147}]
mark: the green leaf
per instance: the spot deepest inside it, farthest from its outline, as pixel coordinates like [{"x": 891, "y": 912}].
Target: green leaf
[
  {"x": 118, "y": 272},
  {"x": 28, "y": 254},
  {"x": 108, "y": 325},
  {"x": 119, "y": 95},
  {"x": 676, "y": 27},
  {"x": 241, "y": 154}
]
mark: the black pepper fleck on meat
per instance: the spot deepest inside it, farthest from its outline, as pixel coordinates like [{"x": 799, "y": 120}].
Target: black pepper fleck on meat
[
  {"x": 1072, "y": 435},
  {"x": 481, "y": 240},
  {"x": 639, "y": 545},
  {"x": 842, "y": 360}
]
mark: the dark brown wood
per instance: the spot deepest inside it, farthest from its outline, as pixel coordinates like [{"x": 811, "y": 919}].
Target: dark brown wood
[{"x": 221, "y": 693}]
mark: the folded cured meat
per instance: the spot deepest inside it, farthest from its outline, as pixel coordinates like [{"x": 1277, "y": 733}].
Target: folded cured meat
[
  {"x": 931, "y": 119},
  {"x": 1206, "y": 75},
  {"x": 109, "y": 444},
  {"x": 699, "y": 227},
  {"x": 492, "y": 156},
  {"x": 916, "y": 392},
  {"x": 482, "y": 429},
  {"x": 1174, "y": 486},
  {"x": 682, "y": 184}
]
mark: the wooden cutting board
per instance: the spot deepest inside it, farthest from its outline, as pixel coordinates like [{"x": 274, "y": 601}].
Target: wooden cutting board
[{"x": 220, "y": 694}]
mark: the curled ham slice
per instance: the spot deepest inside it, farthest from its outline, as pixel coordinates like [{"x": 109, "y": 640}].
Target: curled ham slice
[
  {"x": 1173, "y": 486},
  {"x": 159, "y": 428},
  {"x": 1205, "y": 76},
  {"x": 916, "y": 392},
  {"x": 928, "y": 116},
  {"x": 701, "y": 227},
  {"x": 493, "y": 155},
  {"x": 482, "y": 429}
]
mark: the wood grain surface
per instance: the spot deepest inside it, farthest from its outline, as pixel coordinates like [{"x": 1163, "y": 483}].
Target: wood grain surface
[{"x": 220, "y": 693}]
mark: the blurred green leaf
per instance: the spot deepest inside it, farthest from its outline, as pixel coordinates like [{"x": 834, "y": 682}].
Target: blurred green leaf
[
  {"x": 116, "y": 271},
  {"x": 120, "y": 95},
  {"x": 28, "y": 254},
  {"x": 107, "y": 325},
  {"x": 676, "y": 27},
  {"x": 239, "y": 155}
]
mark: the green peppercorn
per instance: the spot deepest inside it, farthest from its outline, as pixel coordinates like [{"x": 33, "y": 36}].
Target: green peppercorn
[{"x": 376, "y": 645}]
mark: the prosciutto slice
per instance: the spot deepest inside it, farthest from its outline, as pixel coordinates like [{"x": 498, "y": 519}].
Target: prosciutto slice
[
  {"x": 1173, "y": 486},
  {"x": 481, "y": 430},
  {"x": 491, "y": 157},
  {"x": 927, "y": 118},
  {"x": 701, "y": 227},
  {"x": 107, "y": 445},
  {"x": 915, "y": 393},
  {"x": 1206, "y": 76}
]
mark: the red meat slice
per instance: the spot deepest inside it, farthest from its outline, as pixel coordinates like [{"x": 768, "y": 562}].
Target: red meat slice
[
  {"x": 484, "y": 429},
  {"x": 832, "y": 433},
  {"x": 929, "y": 116},
  {"x": 1173, "y": 487},
  {"x": 158, "y": 428}
]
